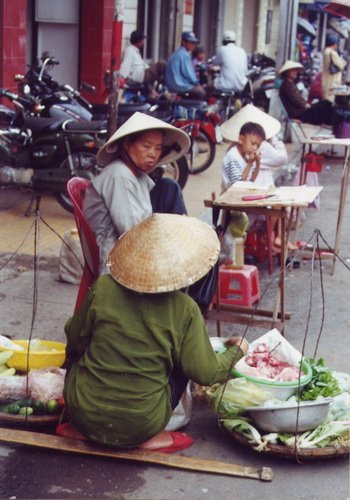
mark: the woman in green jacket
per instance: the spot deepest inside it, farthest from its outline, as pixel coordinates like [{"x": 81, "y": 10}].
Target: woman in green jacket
[{"x": 138, "y": 339}]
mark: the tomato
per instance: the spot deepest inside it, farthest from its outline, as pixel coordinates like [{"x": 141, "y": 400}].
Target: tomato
[{"x": 61, "y": 401}]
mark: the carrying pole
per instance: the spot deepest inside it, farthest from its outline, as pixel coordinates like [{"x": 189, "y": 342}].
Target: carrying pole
[{"x": 58, "y": 443}]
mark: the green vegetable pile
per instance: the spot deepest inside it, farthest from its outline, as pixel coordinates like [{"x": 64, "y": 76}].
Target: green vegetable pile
[
  {"x": 238, "y": 394},
  {"x": 29, "y": 406},
  {"x": 322, "y": 383}
]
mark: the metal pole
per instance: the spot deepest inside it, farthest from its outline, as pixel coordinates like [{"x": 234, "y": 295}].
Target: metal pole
[
  {"x": 117, "y": 30},
  {"x": 287, "y": 31}
]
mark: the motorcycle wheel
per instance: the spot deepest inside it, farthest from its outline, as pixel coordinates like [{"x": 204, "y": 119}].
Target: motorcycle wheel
[
  {"x": 177, "y": 170},
  {"x": 84, "y": 162},
  {"x": 202, "y": 152}
]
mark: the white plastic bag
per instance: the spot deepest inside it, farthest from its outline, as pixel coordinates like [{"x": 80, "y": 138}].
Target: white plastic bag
[
  {"x": 46, "y": 383},
  {"x": 182, "y": 413},
  {"x": 71, "y": 264},
  {"x": 12, "y": 388}
]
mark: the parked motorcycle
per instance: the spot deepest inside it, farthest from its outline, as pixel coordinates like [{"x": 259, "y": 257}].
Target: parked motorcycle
[
  {"x": 62, "y": 101},
  {"x": 43, "y": 153},
  {"x": 59, "y": 101},
  {"x": 263, "y": 76}
]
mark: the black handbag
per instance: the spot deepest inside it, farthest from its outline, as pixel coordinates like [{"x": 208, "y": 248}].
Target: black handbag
[{"x": 333, "y": 68}]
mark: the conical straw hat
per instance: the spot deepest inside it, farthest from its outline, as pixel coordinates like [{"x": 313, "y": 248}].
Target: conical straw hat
[
  {"x": 249, "y": 113},
  {"x": 291, "y": 65},
  {"x": 176, "y": 140},
  {"x": 163, "y": 253}
]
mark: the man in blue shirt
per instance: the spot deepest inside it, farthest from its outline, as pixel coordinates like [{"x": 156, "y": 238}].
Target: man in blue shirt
[{"x": 180, "y": 76}]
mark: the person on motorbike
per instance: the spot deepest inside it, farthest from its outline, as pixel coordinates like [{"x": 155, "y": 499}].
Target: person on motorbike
[
  {"x": 123, "y": 194},
  {"x": 138, "y": 339},
  {"x": 180, "y": 76},
  {"x": 135, "y": 69},
  {"x": 233, "y": 63}
]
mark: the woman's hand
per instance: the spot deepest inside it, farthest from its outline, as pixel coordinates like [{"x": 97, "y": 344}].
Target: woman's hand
[{"x": 238, "y": 341}]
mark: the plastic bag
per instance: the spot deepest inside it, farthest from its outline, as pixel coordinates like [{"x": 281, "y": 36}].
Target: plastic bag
[
  {"x": 12, "y": 388},
  {"x": 71, "y": 264},
  {"x": 46, "y": 383},
  {"x": 182, "y": 413}
]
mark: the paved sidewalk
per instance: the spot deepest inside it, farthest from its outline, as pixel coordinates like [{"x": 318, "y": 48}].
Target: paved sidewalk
[{"x": 24, "y": 471}]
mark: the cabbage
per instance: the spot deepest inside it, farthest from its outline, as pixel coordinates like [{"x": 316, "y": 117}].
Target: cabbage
[{"x": 231, "y": 400}]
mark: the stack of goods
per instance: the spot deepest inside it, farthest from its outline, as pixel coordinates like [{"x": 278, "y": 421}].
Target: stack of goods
[
  {"x": 279, "y": 401},
  {"x": 31, "y": 380}
]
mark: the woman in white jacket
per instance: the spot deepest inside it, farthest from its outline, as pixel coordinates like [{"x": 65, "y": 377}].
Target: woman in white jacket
[{"x": 273, "y": 155}]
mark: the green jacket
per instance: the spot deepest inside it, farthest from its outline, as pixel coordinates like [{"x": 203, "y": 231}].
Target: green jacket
[{"x": 122, "y": 347}]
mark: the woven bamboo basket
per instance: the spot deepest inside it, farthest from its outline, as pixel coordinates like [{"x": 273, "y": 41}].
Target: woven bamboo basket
[
  {"x": 30, "y": 420},
  {"x": 288, "y": 452}
]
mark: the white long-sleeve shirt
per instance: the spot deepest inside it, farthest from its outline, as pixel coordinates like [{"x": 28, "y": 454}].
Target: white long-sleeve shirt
[
  {"x": 273, "y": 154},
  {"x": 133, "y": 66}
]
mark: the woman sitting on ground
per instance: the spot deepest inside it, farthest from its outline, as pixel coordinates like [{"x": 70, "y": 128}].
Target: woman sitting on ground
[{"x": 138, "y": 339}]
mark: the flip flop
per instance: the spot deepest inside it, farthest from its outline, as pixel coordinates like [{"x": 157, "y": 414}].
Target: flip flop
[{"x": 180, "y": 442}]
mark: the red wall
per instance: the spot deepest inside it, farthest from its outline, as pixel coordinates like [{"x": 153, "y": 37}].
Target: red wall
[
  {"x": 96, "y": 41},
  {"x": 12, "y": 41}
]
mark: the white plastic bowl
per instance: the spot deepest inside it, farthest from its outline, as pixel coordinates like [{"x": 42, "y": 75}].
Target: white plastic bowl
[{"x": 284, "y": 418}]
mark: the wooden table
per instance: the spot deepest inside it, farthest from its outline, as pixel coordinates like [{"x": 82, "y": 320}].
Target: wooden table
[
  {"x": 307, "y": 146},
  {"x": 275, "y": 206}
]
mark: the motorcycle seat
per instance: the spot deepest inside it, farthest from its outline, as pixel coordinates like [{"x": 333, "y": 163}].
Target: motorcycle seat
[
  {"x": 39, "y": 125},
  {"x": 191, "y": 103},
  {"x": 86, "y": 126}
]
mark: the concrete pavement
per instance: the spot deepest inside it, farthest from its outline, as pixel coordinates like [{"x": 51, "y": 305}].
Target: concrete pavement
[{"x": 34, "y": 473}]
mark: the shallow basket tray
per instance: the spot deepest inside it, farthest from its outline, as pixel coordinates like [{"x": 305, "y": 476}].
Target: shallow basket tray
[
  {"x": 31, "y": 420},
  {"x": 282, "y": 451}
]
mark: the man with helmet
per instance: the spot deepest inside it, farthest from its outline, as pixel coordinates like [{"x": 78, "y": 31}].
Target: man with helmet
[
  {"x": 233, "y": 63},
  {"x": 180, "y": 76}
]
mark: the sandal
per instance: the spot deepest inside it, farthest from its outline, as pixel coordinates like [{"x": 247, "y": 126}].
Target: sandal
[
  {"x": 180, "y": 442},
  {"x": 68, "y": 431}
]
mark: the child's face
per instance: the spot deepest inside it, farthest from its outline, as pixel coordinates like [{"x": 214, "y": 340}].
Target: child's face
[{"x": 249, "y": 143}]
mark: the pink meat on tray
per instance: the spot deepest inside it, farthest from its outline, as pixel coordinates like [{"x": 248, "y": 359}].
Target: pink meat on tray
[{"x": 261, "y": 363}]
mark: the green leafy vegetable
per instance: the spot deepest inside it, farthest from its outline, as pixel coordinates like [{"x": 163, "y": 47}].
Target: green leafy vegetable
[
  {"x": 242, "y": 426},
  {"x": 322, "y": 383},
  {"x": 322, "y": 436}
]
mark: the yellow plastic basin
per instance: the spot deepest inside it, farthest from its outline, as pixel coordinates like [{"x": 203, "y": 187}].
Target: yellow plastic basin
[{"x": 53, "y": 355}]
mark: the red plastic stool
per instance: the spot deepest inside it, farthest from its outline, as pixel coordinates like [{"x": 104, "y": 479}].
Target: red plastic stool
[{"x": 239, "y": 286}]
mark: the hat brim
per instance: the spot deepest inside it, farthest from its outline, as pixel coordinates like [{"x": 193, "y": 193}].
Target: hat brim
[
  {"x": 164, "y": 253},
  {"x": 288, "y": 65},
  {"x": 231, "y": 128},
  {"x": 176, "y": 141}
]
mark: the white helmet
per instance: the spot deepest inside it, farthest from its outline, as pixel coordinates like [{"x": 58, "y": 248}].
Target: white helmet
[{"x": 229, "y": 36}]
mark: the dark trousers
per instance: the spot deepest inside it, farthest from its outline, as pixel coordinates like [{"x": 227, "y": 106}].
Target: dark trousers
[
  {"x": 318, "y": 114},
  {"x": 166, "y": 198},
  {"x": 178, "y": 382}
]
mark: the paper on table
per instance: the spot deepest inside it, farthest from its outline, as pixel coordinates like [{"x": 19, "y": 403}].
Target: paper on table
[
  {"x": 283, "y": 196},
  {"x": 250, "y": 185}
]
